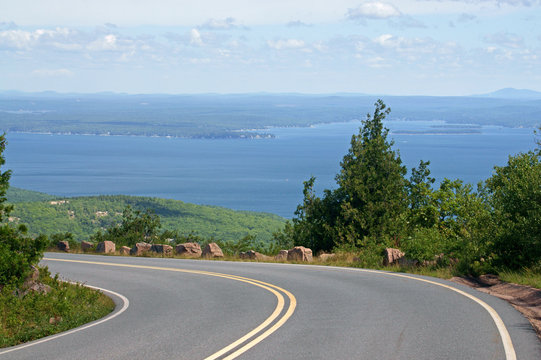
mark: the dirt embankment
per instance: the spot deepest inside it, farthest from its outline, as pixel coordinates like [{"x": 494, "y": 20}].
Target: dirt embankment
[{"x": 525, "y": 299}]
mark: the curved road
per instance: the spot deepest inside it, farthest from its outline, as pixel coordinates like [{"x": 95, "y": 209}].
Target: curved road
[{"x": 192, "y": 309}]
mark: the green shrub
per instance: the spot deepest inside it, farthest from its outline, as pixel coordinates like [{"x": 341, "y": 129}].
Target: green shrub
[
  {"x": 36, "y": 315},
  {"x": 423, "y": 244}
]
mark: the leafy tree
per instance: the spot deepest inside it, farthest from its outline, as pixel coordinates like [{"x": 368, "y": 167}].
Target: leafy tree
[
  {"x": 515, "y": 194},
  {"x": 246, "y": 243},
  {"x": 313, "y": 226},
  {"x": 422, "y": 208},
  {"x": 54, "y": 239},
  {"x": 464, "y": 221},
  {"x": 4, "y": 183},
  {"x": 136, "y": 226},
  {"x": 538, "y": 141},
  {"x": 452, "y": 220},
  {"x": 283, "y": 239},
  {"x": 17, "y": 251}
]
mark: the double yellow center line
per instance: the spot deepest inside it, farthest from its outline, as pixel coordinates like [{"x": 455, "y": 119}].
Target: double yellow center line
[{"x": 240, "y": 346}]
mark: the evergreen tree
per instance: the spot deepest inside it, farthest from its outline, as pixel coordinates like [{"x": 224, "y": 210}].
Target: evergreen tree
[
  {"x": 369, "y": 204},
  {"x": 371, "y": 182}
]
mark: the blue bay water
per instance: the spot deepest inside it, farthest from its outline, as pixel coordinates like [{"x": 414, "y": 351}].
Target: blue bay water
[{"x": 259, "y": 175}]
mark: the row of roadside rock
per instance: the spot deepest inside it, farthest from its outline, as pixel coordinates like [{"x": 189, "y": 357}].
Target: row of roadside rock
[
  {"x": 212, "y": 250},
  {"x": 189, "y": 249}
]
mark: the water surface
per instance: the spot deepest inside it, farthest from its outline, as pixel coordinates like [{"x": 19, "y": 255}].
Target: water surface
[{"x": 259, "y": 175}]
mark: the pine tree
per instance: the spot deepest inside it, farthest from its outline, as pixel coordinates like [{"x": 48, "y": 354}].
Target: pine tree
[
  {"x": 371, "y": 183},
  {"x": 369, "y": 204}
]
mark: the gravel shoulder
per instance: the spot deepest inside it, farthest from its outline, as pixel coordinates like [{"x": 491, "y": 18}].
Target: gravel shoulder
[{"x": 525, "y": 299}]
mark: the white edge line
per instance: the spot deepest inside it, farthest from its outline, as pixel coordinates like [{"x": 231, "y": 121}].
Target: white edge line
[
  {"x": 500, "y": 325},
  {"x": 126, "y": 304}
]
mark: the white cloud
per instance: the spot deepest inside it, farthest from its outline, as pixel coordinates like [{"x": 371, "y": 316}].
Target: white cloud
[
  {"x": 195, "y": 37},
  {"x": 320, "y": 46},
  {"x": 373, "y": 10},
  {"x": 405, "y": 22},
  {"x": 384, "y": 40},
  {"x": 400, "y": 43},
  {"x": 286, "y": 44},
  {"x": 197, "y": 61},
  {"x": 105, "y": 43},
  {"x": 297, "y": 23},
  {"x": 505, "y": 39},
  {"x": 52, "y": 73},
  {"x": 16, "y": 39},
  {"x": 377, "y": 62},
  {"x": 501, "y": 2},
  {"x": 463, "y": 18},
  {"x": 220, "y": 24},
  {"x": 22, "y": 39}
]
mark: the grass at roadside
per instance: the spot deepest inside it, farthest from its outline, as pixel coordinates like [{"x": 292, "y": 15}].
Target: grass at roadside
[
  {"x": 527, "y": 277},
  {"x": 36, "y": 315}
]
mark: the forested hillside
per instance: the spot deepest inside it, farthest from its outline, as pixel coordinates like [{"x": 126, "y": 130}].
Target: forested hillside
[
  {"x": 17, "y": 195},
  {"x": 83, "y": 216}
]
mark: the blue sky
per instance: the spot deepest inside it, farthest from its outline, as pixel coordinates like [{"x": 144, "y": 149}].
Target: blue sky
[{"x": 401, "y": 47}]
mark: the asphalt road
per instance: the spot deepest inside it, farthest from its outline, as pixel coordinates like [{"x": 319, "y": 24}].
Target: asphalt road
[{"x": 186, "y": 309}]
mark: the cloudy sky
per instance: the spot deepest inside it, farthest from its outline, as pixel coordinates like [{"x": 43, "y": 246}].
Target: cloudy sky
[{"x": 402, "y": 47}]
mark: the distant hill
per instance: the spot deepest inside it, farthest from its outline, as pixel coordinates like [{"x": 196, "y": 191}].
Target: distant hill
[
  {"x": 83, "y": 216},
  {"x": 511, "y": 93},
  {"x": 17, "y": 195}
]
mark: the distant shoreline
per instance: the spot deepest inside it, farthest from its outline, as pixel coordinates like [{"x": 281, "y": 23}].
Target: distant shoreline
[
  {"x": 253, "y": 136},
  {"x": 445, "y": 128},
  {"x": 428, "y": 132}
]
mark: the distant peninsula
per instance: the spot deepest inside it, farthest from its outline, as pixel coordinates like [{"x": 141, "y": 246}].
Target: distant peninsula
[{"x": 234, "y": 116}]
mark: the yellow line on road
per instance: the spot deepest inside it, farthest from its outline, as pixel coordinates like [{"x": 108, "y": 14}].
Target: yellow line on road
[{"x": 269, "y": 287}]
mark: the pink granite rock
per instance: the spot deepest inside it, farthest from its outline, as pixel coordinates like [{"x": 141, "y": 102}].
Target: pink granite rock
[
  {"x": 86, "y": 245},
  {"x": 212, "y": 250},
  {"x": 124, "y": 250},
  {"x": 63, "y": 246},
  {"x": 140, "y": 248},
  {"x": 161, "y": 249},
  {"x": 392, "y": 256},
  {"x": 281, "y": 256},
  {"x": 106, "y": 247},
  {"x": 189, "y": 249},
  {"x": 299, "y": 253}
]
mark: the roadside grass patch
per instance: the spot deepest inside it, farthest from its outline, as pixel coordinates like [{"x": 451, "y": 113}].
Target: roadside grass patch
[
  {"x": 36, "y": 315},
  {"x": 528, "y": 277}
]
